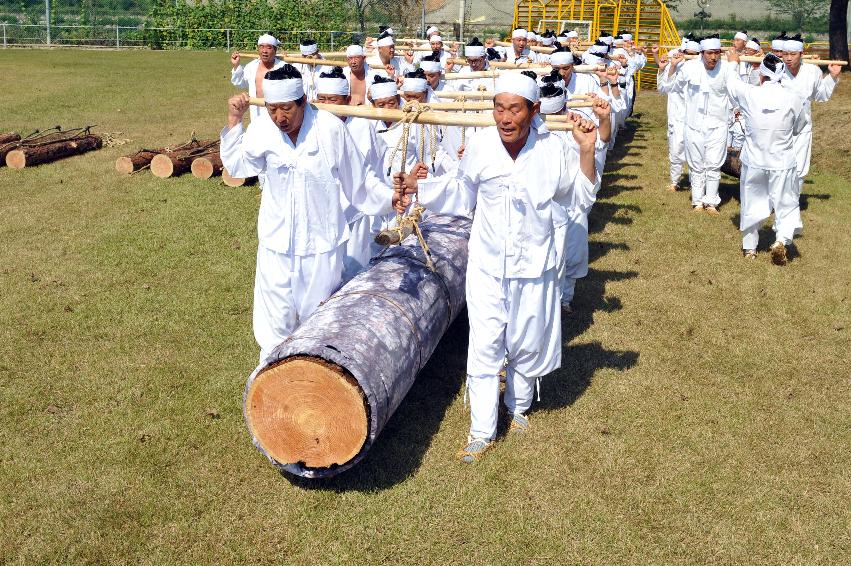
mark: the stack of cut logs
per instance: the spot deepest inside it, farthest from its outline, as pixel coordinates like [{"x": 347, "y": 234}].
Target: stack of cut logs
[
  {"x": 201, "y": 157},
  {"x": 44, "y": 147}
]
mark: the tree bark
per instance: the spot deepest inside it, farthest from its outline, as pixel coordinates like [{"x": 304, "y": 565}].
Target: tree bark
[
  {"x": 131, "y": 163},
  {"x": 7, "y": 137},
  {"x": 838, "y": 30},
  {"x": 178, "y": 162},
  {"x": 28, "y": 156}
]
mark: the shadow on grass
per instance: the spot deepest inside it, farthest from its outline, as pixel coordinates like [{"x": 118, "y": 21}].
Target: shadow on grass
[
  {"x": 398, "y": 451},
  {"x": 805, "y": 198}
]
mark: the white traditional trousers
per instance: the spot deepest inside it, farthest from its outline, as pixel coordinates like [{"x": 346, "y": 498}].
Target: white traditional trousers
[
  {"x": 676, "y": 150},
  {"x": 705, "y": 154},
  {"x": 514, "y": 324},
  {"x": 764, "y": 191},
  {"x": 360, "y": 247},
  {"x": 287, "y": 289}
]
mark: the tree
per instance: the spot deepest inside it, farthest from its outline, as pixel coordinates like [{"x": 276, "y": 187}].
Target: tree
[
  {"x": 839, "y": 30},
  {"x": 361, "y": 7},
  {"x": 802, "y": 12}
]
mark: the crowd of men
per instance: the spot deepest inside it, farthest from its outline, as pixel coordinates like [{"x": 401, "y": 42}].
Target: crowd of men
[
  {"x": 762, "y": 109},
  {"x": 329, "y": 184}
]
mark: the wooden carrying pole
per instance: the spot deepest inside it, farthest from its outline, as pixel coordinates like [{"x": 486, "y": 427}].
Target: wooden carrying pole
[
  {"x": 487, "y": 94},
  {"x": 538, "y": 70},
  {"x": 423, "y": 117},
  {"x": 27, "y": 156},
  {"x": 755, "y": 59},
  {"x": 534, "y": 48},
  {"x": 488, "y": 105},
  {"x": 316, "y": 62}
]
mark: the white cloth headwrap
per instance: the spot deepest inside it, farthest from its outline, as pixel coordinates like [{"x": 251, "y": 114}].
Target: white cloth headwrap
[
  {"x": 778, "y": 45},
  {"x": 741, "y": 35},
  {"x": 434, "y": 38},
  {"x": 591, "y": 59},
  {"x": 386, "y": 41},
  {"x": 474, "y": 50},
  {"x": 751, "y": 44},
  {"x": 410, "y": 84},
  {"x": 383, "y": 90},
  {"x": 332, "y": 85},
  {"x": 518, "y": 33},
  {"x": 618, "y": 41},
  {"x": 561, "y": 58},
  {"x": 607, "y": 39},
  {"x": 572, "y": 35},
  {"x": 519, "y": 84},
  {"x": 390, "y": 31},
  {"x": 619, "y": 51},
  {"x": 267, "y": 39},
  {"x": 355, "y": 51},
  {"x": 547, "y": 41},
  {"x": 308, "y": 49},
  {"x": 627, "y": 37},
  {"x": 431, "y": 30},
  {"x": 284, "y": 90},
  {"x": 531, "y": 35},
  {"x": 552, "y": 104},
  {"x": 692, "y": 46},
  {"x": 793, "y": 46},
  {"x": 773, "y": 76},
  {"x": 710, "y": 43},
  {"x": 431, "y": 66}
]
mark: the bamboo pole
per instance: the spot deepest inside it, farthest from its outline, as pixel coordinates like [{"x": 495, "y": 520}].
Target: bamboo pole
[
  {"x": 315, "y": 62},
  {"x": 539, "y": 70},
  {"x": 488, "y": 105},
  {"x": 425, "y": 117},
  {"x": 534, "y": 48},
  {"x": 487, "y": 94}
]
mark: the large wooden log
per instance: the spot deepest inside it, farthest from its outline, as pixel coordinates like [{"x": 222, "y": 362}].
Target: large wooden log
[
  {"x": 136, "y": 161},
  {"x": 207, "y": 166},
  {"x": 7, "y": 137},
  {"x": 321, "y": 399},
  {"x": 6, "y": 148},
  {"x": 231, "y": 181},
  {"x": 178, "y": 162},
  {"x": 27, "y": 156}
]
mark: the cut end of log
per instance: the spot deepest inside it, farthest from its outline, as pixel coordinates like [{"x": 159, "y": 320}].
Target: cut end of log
[
  {"x": 124, "y": 165},
  {"x": 232, "y": 181},
  {"x": 307, "y": 410},
  {"x": 162, "y": 166},
  {"x": 16, "y": 159},
  {"x": 203, "y": 168}
]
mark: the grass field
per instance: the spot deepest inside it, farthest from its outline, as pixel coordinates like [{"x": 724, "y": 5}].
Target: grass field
[{"x": 703, "y": 413}]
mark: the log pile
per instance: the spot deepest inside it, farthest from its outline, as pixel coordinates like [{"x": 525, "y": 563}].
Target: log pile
[
  {"x": 201, "y": 157},
  {"x": 45, "y": 147}
]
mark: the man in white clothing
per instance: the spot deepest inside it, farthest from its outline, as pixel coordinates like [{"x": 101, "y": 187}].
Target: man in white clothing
[
  {"x": 773, "y": 115},
  {"x": 806, "y": 80},
  {"x": 703, "y": 82},
  {"x": 386, "y": 62},
  {"x": 520, "y": 52},
  {"x": 358, "y": 74},
  {"x": 509, "y": 176},
  {"x": 309, "y": 160},
  {"x": 251, "y": 75},
  {"x": 676, "y": 121}
]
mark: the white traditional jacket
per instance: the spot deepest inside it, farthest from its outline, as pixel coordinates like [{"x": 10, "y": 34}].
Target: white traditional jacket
[
  {"x": 810, "y": 86},
  {"x": 301, "y": 212},
  {"x": 705, "y": 92},
  {"x": 512, "y": 234}
]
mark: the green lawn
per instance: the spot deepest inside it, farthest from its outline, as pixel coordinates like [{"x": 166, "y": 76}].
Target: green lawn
[{"x": 703, "y": 413}]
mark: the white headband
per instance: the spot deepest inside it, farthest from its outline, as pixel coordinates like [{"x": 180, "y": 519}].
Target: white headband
[
  {"x": 410, "y": 84},
  {"x": 383, "y": 90},
  {"x": 618, "y": 41},
  {"x": 547, "y": 41},
  {"x": 572, "y": 35},
  {"x": 741, "y": 35},
  {"x": 355, "y": 51},
  {"x": 332, "y": 85},
  {"x": 793, "y": 46},
  {"x": 778, "y": 44},
  {"x": 518, "y": 33},
  {"x": 385, "y": 42},
  {"x": 431, "y": 66},
  {"x": 531, "y": 35},
  {"x": 692, "y": 46},
  {"x": 434, "y": 38},
  {"x": 607, "y": 39},
  {"x": 627, "y": 37},
  {"x": 474, "y": 50},
  {"x": 431, "y": 30},
  {"x": 710, "y": 43},
  {"x": 267, "y": 39},
  {"x": 561, "y": 58},
  {"x": 308, "y": 49},
  {"x": 591, "y": 59},
  {"x": 519, "y": 84},
  {"x": 284, "y": 90},
  {"x": 751, "y": 44},
  {"x": 552, "y": 104},
  {"x": 773, "y": 76},
  {"x": 619, "y": 51}
]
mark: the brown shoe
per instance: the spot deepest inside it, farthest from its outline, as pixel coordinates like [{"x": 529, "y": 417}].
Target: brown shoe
[
  {"x": 711, "y": 210},
  {"x": 672, "y": 188},
  {"x": 749, "y": 254},
  {"x": 698, "y": 208},
  {"x": 778, "y": 253}
]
